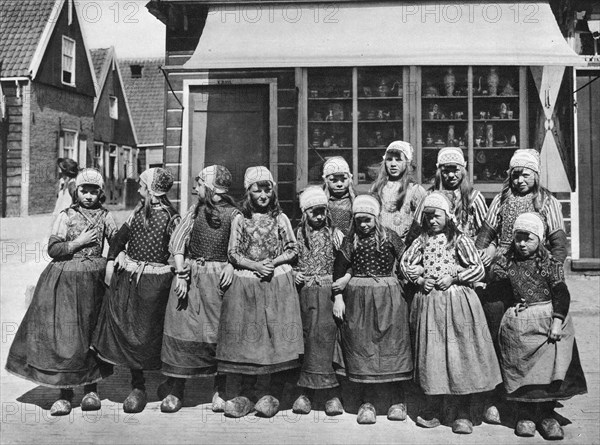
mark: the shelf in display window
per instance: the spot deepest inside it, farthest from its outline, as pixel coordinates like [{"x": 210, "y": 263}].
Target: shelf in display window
[
  {"x": 330, "y": 98},
  {"x": 380, "y": 97},
  {"x": 379, "y": 121},
  {"x": 439, "y": 147},
  {"x": 497, "y": 147},
  {"x": 377, "y": 147},
  {"x": 511, "y": 96},
  {"x": 446, "y": 120},
  {"x": 445, "y": 97},
  {"x": 495, "y": 120},
  {"x": 330, "y": 122},
  {"x": 332, "y": 148}
]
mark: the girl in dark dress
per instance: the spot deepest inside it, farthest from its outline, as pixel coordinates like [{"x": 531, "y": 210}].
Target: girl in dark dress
[
  {"x": 52, "y": 345},
  {"x": 130, "y": 328},
  {"x": 538, "y": 352}
]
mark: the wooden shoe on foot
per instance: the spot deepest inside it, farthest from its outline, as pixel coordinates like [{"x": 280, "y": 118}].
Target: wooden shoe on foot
[
  {"x": 267, "y": 406},
  {"x": 462, "y": 426},
  {"x": 397, "y": 412},
  {"x": 334, "y": 407},
  {"x": 550, "y": 429},
  {"x": 492, "y": 415},
  {"x": 135, "y": 401},
  {"x": 91, "y": 402},
  {"x": 525, "y": 428},
  {"x": 171, "y": 404},
  {"x": 218, "y": 404},
  {"x": 238, "y": 407},
  {"x": 61, "y": 407},
  {"x": 366, "y": 414},
  {"x": 302, "y": 405}
]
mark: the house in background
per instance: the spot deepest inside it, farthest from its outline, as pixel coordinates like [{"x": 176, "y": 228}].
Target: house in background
[
  {"x": 115, "y": 142},
  {"x": 145, "y": 89},
  {"x": 48, "y": 79}
]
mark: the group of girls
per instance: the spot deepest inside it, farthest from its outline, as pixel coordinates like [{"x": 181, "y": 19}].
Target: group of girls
[{"x": 370, "y": 290}]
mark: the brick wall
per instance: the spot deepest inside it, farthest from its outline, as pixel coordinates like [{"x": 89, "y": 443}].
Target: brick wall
[
  {"x": 53, "y": 109},
  {"x": 12, "y": 169}
]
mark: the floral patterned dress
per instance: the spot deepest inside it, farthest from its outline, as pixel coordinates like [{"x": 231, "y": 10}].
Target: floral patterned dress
[{"x": 260, "y": 330}]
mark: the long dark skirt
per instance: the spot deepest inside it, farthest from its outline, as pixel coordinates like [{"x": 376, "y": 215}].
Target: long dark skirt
[
  {"x": 52, "y": 344},
  {"x": 320, "y": 332},
  {"x": 130, "y": 327},
  {"x": 375, "y": 333},
  {"x": 533, "y": 368},
  {"x": 190, "y": 336},
  {"x": 453, "y": 347},
  {"x": 260, "y": 331}
]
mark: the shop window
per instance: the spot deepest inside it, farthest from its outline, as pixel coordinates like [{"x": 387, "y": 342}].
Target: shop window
[
  {"x": 113, "y": 111},
  {"x": 354, "y": 113},
  {"x": 68, "y": 145},
  {"x": 68, "y": 61}
]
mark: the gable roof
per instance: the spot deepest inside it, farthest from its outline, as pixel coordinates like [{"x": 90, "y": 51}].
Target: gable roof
[
  {"x": 25, "y": 30},
  {"x": 146, "y": 96},
  {"x": 104, "y": 59}
]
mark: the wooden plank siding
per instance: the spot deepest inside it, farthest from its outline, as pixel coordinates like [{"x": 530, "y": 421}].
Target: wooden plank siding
[{"x": 12, "y": 156}]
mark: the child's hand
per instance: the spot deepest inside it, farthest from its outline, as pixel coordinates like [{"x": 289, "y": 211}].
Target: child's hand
[
  {"x": 120, "y": 262},
  {"x": 226, "y": 276},
  {"x": 87, "y": 237},
  {"x": 443, "y": 283},
  {"x": 427, "y": 283},
  {"x": 340, "y": 284},
  {"x": 181, "y": 288},
  {"x": 555, "y": 331},
  {"x": 414, "y": 272},
  {"x": 264, "y": 268},
  {"x": 299, "y": 278},
  {"x": 339, "y": 307}
]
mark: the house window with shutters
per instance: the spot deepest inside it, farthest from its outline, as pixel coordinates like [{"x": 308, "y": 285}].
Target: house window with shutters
[{"x": 68, "y": 61}]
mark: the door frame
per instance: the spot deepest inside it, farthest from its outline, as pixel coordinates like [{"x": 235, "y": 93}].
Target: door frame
[{"x": 188, "y": 84}]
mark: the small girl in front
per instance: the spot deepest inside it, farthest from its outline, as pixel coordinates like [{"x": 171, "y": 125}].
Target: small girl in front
[
  {"x": 192, "y": 317},
  {"x": 52, "y": 345},
  {"x": 453, "y": 355},
  {"x": 538, "y": 352},
  {"x": 130, "y": 328},
  {"x": 372, "y": 312},
  {"x": 260, "y": 330},
  {"x": 397, "y": 191},
  {"x": 318, "y": 242},
  {"x": 340, "y": 192}
]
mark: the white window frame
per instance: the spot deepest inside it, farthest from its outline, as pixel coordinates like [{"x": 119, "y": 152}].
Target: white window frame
[
  {"x": 113, "y": 152},
  {"x": 69, "y": 151},
  {"x": 70, "y": 69},
  {"x": 113, "y": 107},
  {"x": 128, "y": 161},
  {"x": 98, "y": 161}
]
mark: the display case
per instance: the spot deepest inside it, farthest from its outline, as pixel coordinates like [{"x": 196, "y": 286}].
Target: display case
[
  {"x": 354, "y": 113},
  {"x": 480, "y": 109}
]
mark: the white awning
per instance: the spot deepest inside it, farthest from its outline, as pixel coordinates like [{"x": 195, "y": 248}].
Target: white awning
[{"x": 407, "y": 33}]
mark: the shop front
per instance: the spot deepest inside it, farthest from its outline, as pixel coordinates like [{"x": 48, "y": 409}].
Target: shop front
[{"x": 290, "y": 84}]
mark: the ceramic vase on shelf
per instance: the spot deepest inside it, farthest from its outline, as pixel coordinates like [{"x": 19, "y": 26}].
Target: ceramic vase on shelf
[
  {"x": 489, "y": 135},
  {"x": 493, "y": 80},
  {"x": 449, "y": 82},
  {"x": 450, "y": 139}
]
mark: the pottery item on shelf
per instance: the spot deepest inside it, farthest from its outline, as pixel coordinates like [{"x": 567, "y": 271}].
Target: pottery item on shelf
[
  {"x": 513, "y": 140},
  {"x": 492, "y": 81},
  {"x": 461, "y": 142},
  {"x": 480, "y": 157},
  {"x": 503, "y": 110},
  {"x": 327, "y": 143},
  {"x": 428, "y": 139},
  {"x": 450, "y": 138},
  {"x": 329, "y": 117},
  {"x": 449, "y": 82},
  {"x": 380, "y": 114},
  {"x": 477, "y": 142},
  {"x": 314, "y": 93},
  {"x": 387, "y": 115},
  {"x": 508, "y": 90},
  {"x": 430, "y": 90},
  {"x": 431, "y": 115},
  {"x": 397, "y": 86},
  {"x": 371, "y": 115},
  {"x": 510, "y": 114},
  {"x": 337, "y": 110},
  {"x": 346, "y": 93},
  {"x": 316, "y": 137},
  {"x": 367, "y": 92},
  {"x": 482, "y": 115},
  {"x": 489, "y": 135},
  {"x": 383, "y": 89}
]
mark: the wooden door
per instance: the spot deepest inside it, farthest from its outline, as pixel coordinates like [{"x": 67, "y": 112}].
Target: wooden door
[
  {"x": 588, "y": 134},
  {"x": 230, "y": 127}
]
